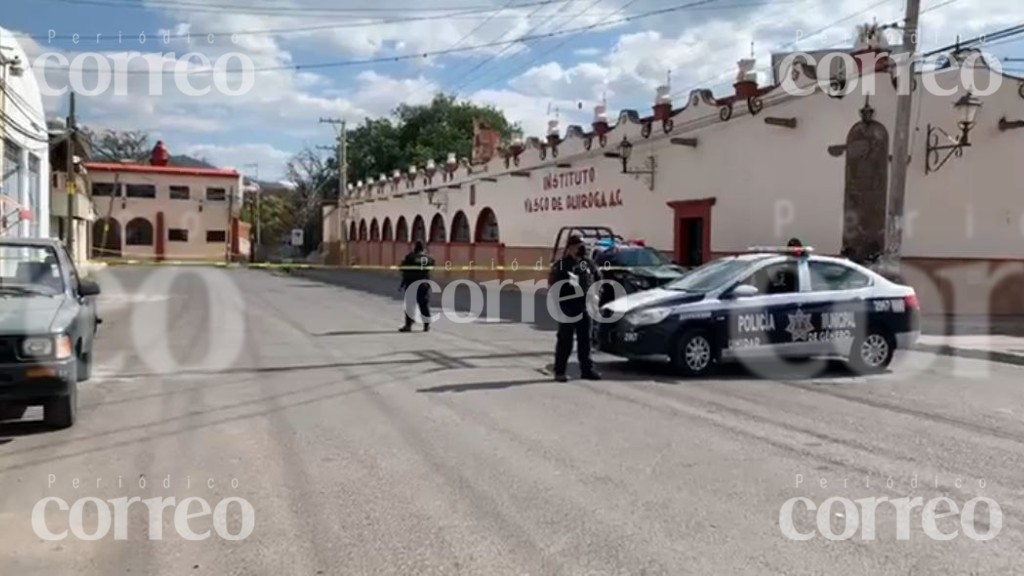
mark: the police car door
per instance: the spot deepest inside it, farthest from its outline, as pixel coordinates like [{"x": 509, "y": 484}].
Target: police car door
[
  {"x": 836, "y": 304},
  {"x": 757, "y": 324}
]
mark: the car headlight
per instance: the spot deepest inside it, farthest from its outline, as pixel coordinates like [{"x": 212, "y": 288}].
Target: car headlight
[
  {"x": 58, "y": 347},
  {"x": 648, "y": 317},
  {"x": 34, "y": 347}
]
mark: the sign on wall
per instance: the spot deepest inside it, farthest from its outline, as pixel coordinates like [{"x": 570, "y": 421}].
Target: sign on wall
[
  {"x": 581, "y": 194},
  {"x": 297, "y": 236}
]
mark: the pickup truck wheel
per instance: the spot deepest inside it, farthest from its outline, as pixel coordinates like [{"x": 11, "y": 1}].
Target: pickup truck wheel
[
  {"x": 694, "y": 353},
  {"x": 84, "y": 366},
  {"x": 61, "y": 412}
]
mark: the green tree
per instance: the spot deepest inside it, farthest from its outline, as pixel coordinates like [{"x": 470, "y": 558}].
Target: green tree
[{"x": 416, "y": 134}]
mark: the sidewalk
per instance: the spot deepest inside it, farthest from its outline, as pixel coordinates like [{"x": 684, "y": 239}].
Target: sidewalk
[{"x": 996, "y": 338}]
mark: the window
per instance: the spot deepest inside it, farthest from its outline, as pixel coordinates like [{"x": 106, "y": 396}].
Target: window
[
  {"x": 216, "y": 236},
  {"x": 30, "y": 270},
  {"x": 140, "y": 191},
  {"x": 781, "y": 278},
  {"x": 179, "y": 193},
  {"x": 10, "y": 181},
  {"x": 103, "y": 189},
  {"x": 827, "y": 277},
  {"x": 138, "y": 232},
  {"x": 216, "y": 194},
  {"x": 177, "y": 235}
]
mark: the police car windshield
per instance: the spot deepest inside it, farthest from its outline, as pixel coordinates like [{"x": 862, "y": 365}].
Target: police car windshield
[
  {"x": 710, "y": 276},
  {"x": 640, "y": 257}
]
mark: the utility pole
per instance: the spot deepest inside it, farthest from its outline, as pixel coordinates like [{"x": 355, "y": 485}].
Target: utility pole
[
  {"x": 258, "y": 214},
  {"x": 901, "y": 145},
  {"x": 342, "y": 151},
  {"x": 70, "y": 180}
]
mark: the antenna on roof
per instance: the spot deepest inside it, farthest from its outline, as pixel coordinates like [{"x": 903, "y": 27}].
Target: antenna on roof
[{"x": 751, "y": 48}]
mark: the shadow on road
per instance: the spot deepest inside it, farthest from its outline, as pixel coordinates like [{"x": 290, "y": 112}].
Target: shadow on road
[
  {"x": 472, "y": 386},
  {"x": 357, "y": 333},
  {"x": 664, "y": 372}
]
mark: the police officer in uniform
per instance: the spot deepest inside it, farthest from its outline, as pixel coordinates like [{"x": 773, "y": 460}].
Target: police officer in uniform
[
  {"x": 416, "y": 266},
  {"x": 576, "y": 273}
]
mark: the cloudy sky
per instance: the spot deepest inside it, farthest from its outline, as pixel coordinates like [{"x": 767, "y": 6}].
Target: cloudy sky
[{"x": 351, "y": 58}]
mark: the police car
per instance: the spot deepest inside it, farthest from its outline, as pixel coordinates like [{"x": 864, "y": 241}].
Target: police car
[{"x": 785, "y": 302}]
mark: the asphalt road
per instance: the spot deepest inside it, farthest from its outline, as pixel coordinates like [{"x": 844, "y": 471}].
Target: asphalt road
[{"x": 365, "y": 451}]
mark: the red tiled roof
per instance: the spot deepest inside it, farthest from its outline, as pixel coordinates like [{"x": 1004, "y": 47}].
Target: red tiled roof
[{"x": 149, "y": 169}]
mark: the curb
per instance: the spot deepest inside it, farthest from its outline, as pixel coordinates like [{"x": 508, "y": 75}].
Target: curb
[{"x": 973, "y": 353}]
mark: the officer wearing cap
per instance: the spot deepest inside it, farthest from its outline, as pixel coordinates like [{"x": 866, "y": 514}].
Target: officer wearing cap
[{"x": 571, "y": 278}]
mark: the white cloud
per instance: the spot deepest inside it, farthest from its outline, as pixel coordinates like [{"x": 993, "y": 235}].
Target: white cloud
[{"x": 270, "y": 160}]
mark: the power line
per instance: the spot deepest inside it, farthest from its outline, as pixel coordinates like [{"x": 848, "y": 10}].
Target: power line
[
  {"x": 567, "y": 39},
  {"x": 299, "y": 29},
  {"x": 267, "y": 10},
  {"x": 418, "y": 55},
  {"x": 492, "y": 57},
  {"x": 788, "y": 45}
]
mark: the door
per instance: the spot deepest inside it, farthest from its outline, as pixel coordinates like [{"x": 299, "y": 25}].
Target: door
[
  {"x": 837, "y": 301},
  {"x": 763, "y": 324},
  {"x": 691, "y": 241}
]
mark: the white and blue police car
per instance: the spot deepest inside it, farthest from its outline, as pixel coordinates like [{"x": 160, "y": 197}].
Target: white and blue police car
[{"x": 770, "y": 302}]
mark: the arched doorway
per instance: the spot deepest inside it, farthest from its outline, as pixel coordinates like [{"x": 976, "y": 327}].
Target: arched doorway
[
  {"x": 402, "y": 230},
  {"x": 374, "y": 230},
  {"x": 460, "y": 228},
  {"x": 362, "y": 229},
  {"x": 419, "y": 229},
  {"x": 106, "y": 238},
  {"x": 353, "y": 232},
  {"x": 437, "y": 231},
  {"x": 387, "y": 234},
  {"x": 486, "y": 227},
  {"x": 138, "y": 232}
]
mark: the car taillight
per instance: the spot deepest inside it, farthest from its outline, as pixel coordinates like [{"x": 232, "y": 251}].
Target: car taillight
[{"x": 912, "y": 302}]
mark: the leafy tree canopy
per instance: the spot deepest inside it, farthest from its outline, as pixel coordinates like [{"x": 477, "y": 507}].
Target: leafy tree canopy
[{"x": 416, "y": 134}]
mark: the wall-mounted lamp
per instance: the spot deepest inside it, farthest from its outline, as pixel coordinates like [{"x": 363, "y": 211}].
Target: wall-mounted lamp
[
  {"x": 650, "y": 163},
  {"x": 967, "y": 107}
]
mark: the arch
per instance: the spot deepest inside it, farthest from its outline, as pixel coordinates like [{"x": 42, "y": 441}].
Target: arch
[
  {"x": 138, "y": 232},
  {"x": 386, "y": 233},
  {"x": 486, "y": 227},
  {"x": 353, "y": 232},
  {"x": 419, "y": 229},
  {"x": 362, "y": 229},
  {"x": 402, "y": 230},
  {"x": 374, "y": 230},
  {"x": 460, "y": 228},
  {"x": 106, "y": 238},
  {"x": 437, "y": 231}
]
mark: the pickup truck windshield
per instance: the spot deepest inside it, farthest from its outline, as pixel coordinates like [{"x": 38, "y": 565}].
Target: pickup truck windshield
[{"x": 29, "y": 270}]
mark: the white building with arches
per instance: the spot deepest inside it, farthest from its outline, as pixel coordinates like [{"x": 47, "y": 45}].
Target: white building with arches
[{"x": 755, "y": 167}]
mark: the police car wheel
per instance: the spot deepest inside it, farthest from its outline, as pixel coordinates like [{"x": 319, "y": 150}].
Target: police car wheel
[
  {"x": 694, "y": 354},
  {"x": 872, "y": 352}
]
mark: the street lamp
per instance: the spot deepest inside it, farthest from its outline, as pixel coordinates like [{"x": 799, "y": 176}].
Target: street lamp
[{"x": 967, "y": 108}]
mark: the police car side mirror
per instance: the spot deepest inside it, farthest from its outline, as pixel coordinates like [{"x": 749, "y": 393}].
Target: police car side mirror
[{"x": 742, "y": 291}]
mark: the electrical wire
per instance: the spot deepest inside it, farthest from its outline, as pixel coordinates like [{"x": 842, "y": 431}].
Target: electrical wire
[
  {"x": 247, "y": 8},
  {"x": 419, "y": 55},
  {"x": 565, "y": 40},
  {"x": 300, "y": 29},
  {"x": 492, "y": 57},
  {"x": 787, "y": 45}
]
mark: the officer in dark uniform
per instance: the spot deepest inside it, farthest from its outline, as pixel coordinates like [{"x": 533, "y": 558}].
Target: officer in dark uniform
[
  {"x": 416, "y": 266},
  {"x": 576, "y": 272}
]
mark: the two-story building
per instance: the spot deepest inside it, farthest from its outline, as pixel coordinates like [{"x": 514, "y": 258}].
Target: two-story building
[{"x": 161, "y": 212}]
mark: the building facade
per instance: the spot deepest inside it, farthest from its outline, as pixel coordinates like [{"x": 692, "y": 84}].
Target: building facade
[
  {"x": 160, "y": 212},
  {"x": 722, "y": 173},
  {"x": 24, "y": 146}
]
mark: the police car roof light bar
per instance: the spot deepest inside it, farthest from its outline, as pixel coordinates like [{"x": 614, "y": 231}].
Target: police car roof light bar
[{"x": 794, "y": 250}]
